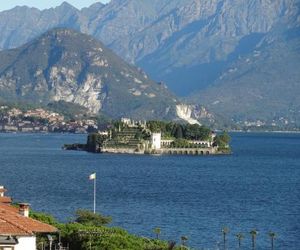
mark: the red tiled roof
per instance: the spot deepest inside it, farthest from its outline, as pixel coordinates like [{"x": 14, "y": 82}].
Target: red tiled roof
[
  {"x": 7, "y": 207},
  {"x": 5, "y": 199},
  {"x": 12, "y": 223}
]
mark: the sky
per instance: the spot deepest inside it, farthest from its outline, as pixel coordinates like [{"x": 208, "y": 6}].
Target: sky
[{"x": 44, "y": 4}]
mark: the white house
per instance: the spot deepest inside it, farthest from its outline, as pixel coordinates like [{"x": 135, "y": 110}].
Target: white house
[
  {"x": 156, "y": 140},
  {"x": 17, "y": 230}
]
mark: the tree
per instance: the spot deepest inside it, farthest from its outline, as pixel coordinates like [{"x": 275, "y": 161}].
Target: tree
[
  {"x": 94, "y": 141},
  {"x": 180, "y": 143},
  {"x": 178, "y": 132},
  {"x": 253, "y": 233},
  {"x": 225, "y": 137},
  {"x": 88, "y": 218},
  {"x": 225, "y": 231},
  {"x": 196, "y": 132},
  {"x": 222, "y": 141},
  {"x": 156, "y": 126},
  {"x": 240, "y": 237},
  {"x": 171, "y": 245},
  {"x": 46, "y": 218},
  {"x": 272, "y": 236},
  {"x": 184, "y": 240},
  {"x": 83, "y": 235},
  {"x": 157, "y": 231}
]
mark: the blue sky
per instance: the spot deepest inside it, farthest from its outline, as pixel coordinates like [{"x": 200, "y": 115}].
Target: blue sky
[{"x": 43, "y": 4}]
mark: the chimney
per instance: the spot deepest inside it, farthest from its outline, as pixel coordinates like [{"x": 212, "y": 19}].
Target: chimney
[
  {"x": 24, "y": 209},
  {"x": 2, "y": 191}
]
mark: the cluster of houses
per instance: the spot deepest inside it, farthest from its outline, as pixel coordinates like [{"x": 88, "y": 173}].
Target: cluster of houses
[
  {"x": 17, "y": 230},
  {"x": 40, "y": 120}
]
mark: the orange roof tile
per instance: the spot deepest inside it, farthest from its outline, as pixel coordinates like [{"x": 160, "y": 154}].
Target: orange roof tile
[
  {"x": 5, "y": 199},
  {"x": 8, "y": 207},
  {"x": 12, "y": 223}
]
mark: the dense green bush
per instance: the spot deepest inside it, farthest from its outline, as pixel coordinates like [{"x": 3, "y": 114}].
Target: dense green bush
[
  {"x": 222, "y": 141},
  {"x": 88, "y": 232},
  {"x": 178, "y": 131}
]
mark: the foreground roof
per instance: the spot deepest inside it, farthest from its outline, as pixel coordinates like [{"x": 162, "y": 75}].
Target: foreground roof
[
  {"x": 5, "y": 199},
  {"x": 12, "y": 223}
]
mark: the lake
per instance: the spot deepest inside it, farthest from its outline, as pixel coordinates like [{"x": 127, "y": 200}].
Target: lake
[{"x": 258, "y": 186}]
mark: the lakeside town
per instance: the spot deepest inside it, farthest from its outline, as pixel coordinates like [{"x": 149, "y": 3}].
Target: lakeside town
[{"x": 42, "y": 121}]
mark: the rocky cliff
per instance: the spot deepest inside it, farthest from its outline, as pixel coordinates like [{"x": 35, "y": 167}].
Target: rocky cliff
[{"x": 64, "y": 65}]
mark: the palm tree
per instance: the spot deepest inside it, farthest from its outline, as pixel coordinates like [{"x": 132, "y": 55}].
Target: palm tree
[
  {"x": 253, "y": 233},
  {"x": 225, "y": 231},
  {"x": 157, "y": 231},
  {"x": 183, "y": 240},
  {"x": 272, "y": 236},
  {"x": 240, "y": 236},
  {"x": 171, "y": 245}
]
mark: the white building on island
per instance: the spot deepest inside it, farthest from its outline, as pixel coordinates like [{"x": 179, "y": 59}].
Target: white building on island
[{"x": 156, "y": 140}]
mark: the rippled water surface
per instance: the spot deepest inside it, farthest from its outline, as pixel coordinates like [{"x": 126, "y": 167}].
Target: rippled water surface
[{"x": 256, "y": 187}]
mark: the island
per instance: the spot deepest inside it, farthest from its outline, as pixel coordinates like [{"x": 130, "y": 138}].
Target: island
[{"x": 128, "y": 136}]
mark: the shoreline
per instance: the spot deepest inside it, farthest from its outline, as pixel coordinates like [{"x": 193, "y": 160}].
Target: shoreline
[
  {"x": 266, "y": 132},
  {"x": 230, "y": 131}
]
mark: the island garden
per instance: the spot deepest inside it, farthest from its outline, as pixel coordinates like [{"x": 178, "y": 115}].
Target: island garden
[{"x": 155, "y": 137}]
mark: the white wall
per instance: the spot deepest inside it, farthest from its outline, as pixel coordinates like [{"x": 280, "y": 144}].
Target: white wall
[
  {"x": 26, "y": 243},
  {"x": 156, "y": 140}
]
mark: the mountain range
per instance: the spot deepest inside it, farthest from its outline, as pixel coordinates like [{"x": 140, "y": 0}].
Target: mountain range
[
  {"x": 261, "y": 86},
  {"x": 65, "y": 65},
  {"x": 235, "y": 57}
]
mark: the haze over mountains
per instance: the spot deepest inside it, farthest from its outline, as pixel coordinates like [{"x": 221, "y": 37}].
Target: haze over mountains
[{"x": 234, "y": 56}]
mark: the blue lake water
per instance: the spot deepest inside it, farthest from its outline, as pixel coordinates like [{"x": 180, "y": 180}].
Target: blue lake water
[{"x": 258, "y": 186}]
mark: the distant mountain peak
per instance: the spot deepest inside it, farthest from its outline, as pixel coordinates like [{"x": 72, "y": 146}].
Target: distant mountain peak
[
  {"x": 65, "y": 4},
  {"x": 65, "y": 65}
]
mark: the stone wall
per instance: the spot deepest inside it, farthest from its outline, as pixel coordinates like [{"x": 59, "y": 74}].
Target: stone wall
[
  {"x": 186, "y": 151},
  {"x": 162, "y": 151}
]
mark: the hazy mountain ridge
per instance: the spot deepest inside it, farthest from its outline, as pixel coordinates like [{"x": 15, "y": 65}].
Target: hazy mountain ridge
[
  {"x": 64, "y": 65},
  {"x": 186, "y": 43},
  {"x": 196, "y": 47},
  {"x": 262, "y": 86}
]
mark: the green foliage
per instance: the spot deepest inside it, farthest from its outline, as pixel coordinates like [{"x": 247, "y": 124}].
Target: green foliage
[
  {"x": 81, "y": 237},
  {"x": 94, "y": 141},
  {"x": 196, "y": 132},
  {"x": 69, "y": 110},
  {"x": 176, "y": 130},
  {"x": 88, "y": 232},
  {"x": 46, "y": 218},
  {"x": 222, "y": 141},
  {"x": 86, "y": 217},
  {"x": 180, "y": 143},
  {"x": 138, "y": 135},
  {"x": 157, "y": 232},
  {"x": 156, "y": 126}
]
